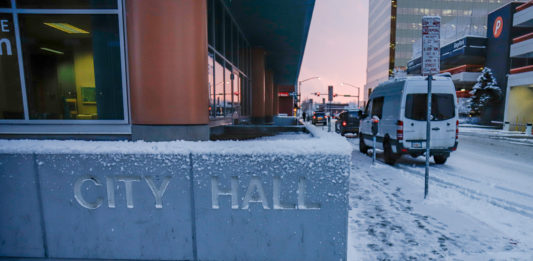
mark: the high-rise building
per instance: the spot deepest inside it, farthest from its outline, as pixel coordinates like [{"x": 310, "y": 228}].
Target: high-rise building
[{"x": 394, "y": 25}]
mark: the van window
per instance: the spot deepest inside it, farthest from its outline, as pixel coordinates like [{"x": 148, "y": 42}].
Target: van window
[
  {"x": 442, "y": 106},
  {"x": 377, "y": 107}
]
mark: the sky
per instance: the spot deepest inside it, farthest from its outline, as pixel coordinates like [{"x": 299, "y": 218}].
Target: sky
[{"x": 336, "y": 49}]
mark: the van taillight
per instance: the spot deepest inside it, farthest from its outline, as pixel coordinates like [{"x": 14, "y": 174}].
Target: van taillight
[
  {"x": 343, "y": 123},
  {"x": 457, "y": 130},
  {"x": 399, "y": 131}
]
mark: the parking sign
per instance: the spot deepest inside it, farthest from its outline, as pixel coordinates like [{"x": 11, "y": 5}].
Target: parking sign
[{"x": 430, "y": 45}]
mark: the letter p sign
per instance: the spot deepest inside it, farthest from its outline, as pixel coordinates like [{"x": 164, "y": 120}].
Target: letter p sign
[{"x": 498, "y": 27}]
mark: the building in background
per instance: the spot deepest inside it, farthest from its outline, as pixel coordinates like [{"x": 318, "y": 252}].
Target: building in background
[
  {"x": 518, "y": 107},
  {"x": 507, "y": 49},
  {"x": 395, "y": 25},
  {"x": 149, "y": 70}
]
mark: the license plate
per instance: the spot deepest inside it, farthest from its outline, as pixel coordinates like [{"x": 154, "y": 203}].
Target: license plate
[
  {"x": 416, "y": 145},
  {"x": 319, "y": 118}
]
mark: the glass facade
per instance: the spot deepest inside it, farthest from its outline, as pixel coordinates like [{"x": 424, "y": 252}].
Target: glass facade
[
  {"x": 390, "y": 49},
  {"x": 58, "y": 64},
  {"x": 229, "y": 64}
]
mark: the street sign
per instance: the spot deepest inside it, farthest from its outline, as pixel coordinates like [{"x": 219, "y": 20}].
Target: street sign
[
  {"x": 330, "y": 93},
  {"x": 430, "y": 66},
  {"x": 430, "y": 45}
]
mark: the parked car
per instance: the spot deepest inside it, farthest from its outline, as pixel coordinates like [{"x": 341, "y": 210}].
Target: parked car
[
  {"x": 347, "y": 122},
  {"x": 319, "y": 118},
  {"x": 401, "y": 106}
]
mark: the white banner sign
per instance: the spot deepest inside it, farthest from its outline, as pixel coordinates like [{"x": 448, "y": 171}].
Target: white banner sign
[{"x": 430, "y": 45}]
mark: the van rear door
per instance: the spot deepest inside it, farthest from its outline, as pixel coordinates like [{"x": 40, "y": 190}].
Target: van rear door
[{"x": 442, "y": 124}]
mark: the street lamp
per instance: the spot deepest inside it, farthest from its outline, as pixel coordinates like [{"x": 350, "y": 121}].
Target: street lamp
[
  {"x": 356, "y": 87},
  {"x": 300, "y": 88}
]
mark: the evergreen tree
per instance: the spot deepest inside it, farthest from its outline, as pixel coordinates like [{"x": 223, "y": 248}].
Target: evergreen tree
[{"x": 484, "y": 92}]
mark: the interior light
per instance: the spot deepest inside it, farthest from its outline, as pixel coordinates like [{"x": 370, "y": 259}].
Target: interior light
[
  {"x": 51, "y": 50},
  {"x": 67, "y": 28}
]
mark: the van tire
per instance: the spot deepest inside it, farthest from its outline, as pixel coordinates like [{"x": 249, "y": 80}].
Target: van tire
[
  {"x": 390, "y": 157},
  {"x": 362, "y": 146},
  {"x": 440, "y": 159}
]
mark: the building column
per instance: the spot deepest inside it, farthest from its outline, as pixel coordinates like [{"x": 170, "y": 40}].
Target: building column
[
  {"x": 258, "y": 85},
  {"x": 269, "y": 97},
  {"x": 275, "y": 107},
  {"x": 167, "y": 51}
]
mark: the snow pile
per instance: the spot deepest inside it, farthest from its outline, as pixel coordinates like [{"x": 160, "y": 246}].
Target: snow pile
[{"x": 286, "y": 144}]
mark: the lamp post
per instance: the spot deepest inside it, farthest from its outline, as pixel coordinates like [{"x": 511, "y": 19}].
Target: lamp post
[
  {"x": 356, "y": 87},
  {"x": 299, "y": 91}
]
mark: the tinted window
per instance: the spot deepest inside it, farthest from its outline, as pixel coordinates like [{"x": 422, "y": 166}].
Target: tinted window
[
  {"x": 5, "y": 3},
  {"x": 442, "y": 107},
  {"x": 10, "y": 91},
  {"x": 353, "y": 115},
  {"x": 321, "y": 114},
  {"x": 377, "y": 107},
  {"x": 67, "y": 4}
]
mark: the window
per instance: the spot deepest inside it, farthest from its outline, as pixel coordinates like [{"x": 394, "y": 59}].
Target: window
[
  {"x": 5, "y": 4},
  {"x": 377, "y": 107},
  {"x": 72, "y": 66},
  {"x": 59, "y": 65},
  {"x": 211, "y": 85},
  {"x": 230, "y": 49},
  {"x": 442, "y": 107},
  {"x": 10, "y": 91},
  {"x": 67, "y": 4}
]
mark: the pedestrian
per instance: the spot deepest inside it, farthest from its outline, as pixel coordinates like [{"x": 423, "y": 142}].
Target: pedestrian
[{"x": 304, "y": 116}]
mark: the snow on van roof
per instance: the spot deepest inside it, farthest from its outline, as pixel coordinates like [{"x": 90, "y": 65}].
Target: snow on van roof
[{"x": 438, "y": 77}]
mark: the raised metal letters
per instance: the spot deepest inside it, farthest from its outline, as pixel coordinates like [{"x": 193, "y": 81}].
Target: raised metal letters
[
  {"x": 233, "y": 192},
  {"x": 79, "y": 197},
  {"x": 158, "y": 192},
  {"x": 302, "y": 204},
  {"x": 276, "y": 196},
  {"x": 255, "y": 185},
  {"x": 128, "y": 180}
]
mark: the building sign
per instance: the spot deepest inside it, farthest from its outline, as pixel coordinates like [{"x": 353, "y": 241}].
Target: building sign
[
  {"x": 254, "y": 193},
  {"x": 497, "y": 28},
  {"x": 5, "y": 41},
  {"x": 430, "y": 45},
  {"x": 283, "y": 94}
]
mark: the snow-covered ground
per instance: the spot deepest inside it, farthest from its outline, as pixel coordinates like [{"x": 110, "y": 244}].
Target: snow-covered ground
[
  {"x": 480, "y": 205},
  {"x": 515, "y": 137}
]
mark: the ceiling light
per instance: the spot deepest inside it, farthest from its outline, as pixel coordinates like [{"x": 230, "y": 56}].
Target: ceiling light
[
  {"x": 67, "y": 28},
  {"x": 51, "y": 50}
]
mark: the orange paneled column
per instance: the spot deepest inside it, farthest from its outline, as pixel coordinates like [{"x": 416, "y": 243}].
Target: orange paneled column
[
  {"x": 167, "y": 51},
  {"x": 269, "y": 97},
  {"x": 258, "y": 85}
]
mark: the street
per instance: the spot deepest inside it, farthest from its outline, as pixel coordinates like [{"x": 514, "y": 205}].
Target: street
[{"x": 480, "y": 204}]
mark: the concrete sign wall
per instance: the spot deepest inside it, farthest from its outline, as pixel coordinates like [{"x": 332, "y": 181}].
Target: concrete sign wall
[{"x": 179, "y": 206}]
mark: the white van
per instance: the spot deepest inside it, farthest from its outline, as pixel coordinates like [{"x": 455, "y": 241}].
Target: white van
[{"x": 401, "y": 106}]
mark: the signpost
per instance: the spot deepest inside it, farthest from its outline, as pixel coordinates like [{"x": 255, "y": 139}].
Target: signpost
[
  {"x": 430, "y": 66},
  {"x": 330, "y": 99}
]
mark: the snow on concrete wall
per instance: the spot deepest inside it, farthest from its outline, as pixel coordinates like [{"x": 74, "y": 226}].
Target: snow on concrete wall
[{"x": 266, "y": 200}]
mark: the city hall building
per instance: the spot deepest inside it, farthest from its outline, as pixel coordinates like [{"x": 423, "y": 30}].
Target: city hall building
[{"x": 146, "y": 70}]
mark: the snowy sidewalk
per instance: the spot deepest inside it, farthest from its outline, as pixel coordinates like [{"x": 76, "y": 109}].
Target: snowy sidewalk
[
  {"x": 511, "y": 136},
  {"x": 480, "y": 206}
]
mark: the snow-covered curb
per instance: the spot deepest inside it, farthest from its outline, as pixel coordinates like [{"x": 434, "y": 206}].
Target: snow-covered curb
[{"x": 320, "y": 143}]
